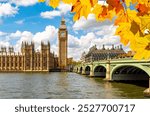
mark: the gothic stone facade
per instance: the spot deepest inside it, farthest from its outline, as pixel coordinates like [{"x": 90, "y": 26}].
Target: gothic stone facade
[{"x": 28, "y": 60}]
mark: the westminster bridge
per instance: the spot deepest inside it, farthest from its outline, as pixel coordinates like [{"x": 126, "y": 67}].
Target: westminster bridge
[{"x": 117, "y": 70}]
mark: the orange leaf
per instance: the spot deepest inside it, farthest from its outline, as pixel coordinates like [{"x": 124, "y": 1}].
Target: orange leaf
[
  {"x": 115, "y": 4},
  {"x": 122, "y": 17},
  {"x": 142, "y": 9}
]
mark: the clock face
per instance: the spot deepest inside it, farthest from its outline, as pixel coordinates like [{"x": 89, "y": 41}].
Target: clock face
[{"x": 62, "y": 34}]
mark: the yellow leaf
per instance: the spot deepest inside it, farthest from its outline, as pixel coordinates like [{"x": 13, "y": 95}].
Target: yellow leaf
[
  {"x": 97, "y": 10},
  {"x": 76, "y": 16},
  {"x": 41, "y": 0},
  {"x": 145, "y": 22},
  {"x": 70, "y": 1},
  {"x": 127, "y": 16},
  {"x": 123, "y": 27},
  {"x": 128, "y": 2},
  {"x": 84, "y": 11},
  {"x": 93, "y": 2},
  {"x": 142, "y": 48},
  {"x": 82, "y": 8},
  {"x": 143, "y": 1},
  {"x": 123, "y": 32},
  {"x": 134, "y": 1},
  {"x": 54, "y": 3}
]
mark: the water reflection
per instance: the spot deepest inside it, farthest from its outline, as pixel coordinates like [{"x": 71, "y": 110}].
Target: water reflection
[{"x": 63, "y": 86}]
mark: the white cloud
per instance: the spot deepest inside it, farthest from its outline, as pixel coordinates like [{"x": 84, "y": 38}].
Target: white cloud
[
  {"x": 73, "y": 42},
  {"x": 49, "y": 34},
  {"x": 62, "y": 9},
  {"x": 19, "y": 22},
  {"x": 7, "y": 10},
  {"x": 4, "y": 44},
  {"x": 23, "y": 36},
  {"x": 50, "y": 14},
  {"x": 24, "y": 2},
  {"x": 16, "y": 34},
  {"x": 106, "y": 30},
  {"x": 2, "y": 33},
  {"x": 89, "y": 24}
]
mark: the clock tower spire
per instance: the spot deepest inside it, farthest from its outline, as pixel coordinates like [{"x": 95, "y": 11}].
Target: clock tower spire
[{"x": 63, "y": 45}]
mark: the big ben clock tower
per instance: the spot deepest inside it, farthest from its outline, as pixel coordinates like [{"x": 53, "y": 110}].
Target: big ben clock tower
[{"x": 62, "y": 41}]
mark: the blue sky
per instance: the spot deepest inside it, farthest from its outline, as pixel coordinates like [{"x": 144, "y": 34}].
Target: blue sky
[
  {"x": 28, "y": 20},
  {"x": 32, "y": 21}
]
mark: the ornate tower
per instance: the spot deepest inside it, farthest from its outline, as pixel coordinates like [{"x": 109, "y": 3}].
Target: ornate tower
[
  {"x": 62, "y": 41},
  {"x": 28, "y": 55},
  {"x": 45, "y": 56}
]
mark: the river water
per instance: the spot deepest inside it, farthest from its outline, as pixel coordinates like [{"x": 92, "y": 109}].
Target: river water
[{"x": 63, "y": 86}]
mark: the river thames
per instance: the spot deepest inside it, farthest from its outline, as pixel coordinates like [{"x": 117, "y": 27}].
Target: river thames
[{"x": 63, "y": 86}]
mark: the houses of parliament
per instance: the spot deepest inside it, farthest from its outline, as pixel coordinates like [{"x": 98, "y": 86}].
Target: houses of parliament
[{"x": 30, "y": 60}]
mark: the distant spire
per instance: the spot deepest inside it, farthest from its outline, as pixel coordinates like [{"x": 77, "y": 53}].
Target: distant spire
[
  {"x": 63, "y": 23},
  {"x": 63, "y": 20},
  {"x": 48, "y": 43},
  {"x": 62, "y": 15}
]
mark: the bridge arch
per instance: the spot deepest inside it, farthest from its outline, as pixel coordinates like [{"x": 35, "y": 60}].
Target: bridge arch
[
  {"x": 87, "y": 70},
  {"x": 130, "y": 72},
  {"x": 100, "y": 71}
]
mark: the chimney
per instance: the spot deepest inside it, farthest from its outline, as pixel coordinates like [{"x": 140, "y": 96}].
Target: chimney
[
  {"x": 103, "y": 47},
  {"x": 121, "y": 47},
  {"x": 113, "y": 47},
  {"x": 118, "y": 47}
]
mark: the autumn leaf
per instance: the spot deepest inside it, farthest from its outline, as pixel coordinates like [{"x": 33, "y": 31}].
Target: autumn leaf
[
  {"x": 83, "y": 8},
  {"x": 134, "y": 1},
  {"x": 115, "y": 4},
  {"x": 143, "y": 2},
  {"x": 145, "y": 23},
  {"x": 142, "y": 48},
  {"x": 142, "y": 9},
  {"x": 41, "y": 0},
  {"x": 102, "y": 13},
  {"x": 72, "y": 2},
  {"x": 127, "y": 2},
  {"x": 54, "y": 3},
  {"x": 134, "y": 27},
  {"x": 127, "y": 16},
  {"x": 122, "y": 17},
  {"x": 123, "y": 31}
]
